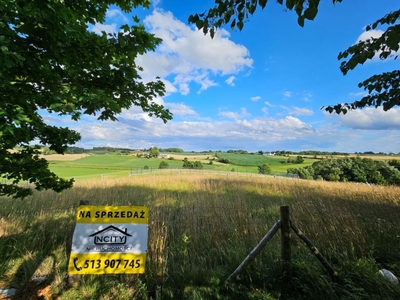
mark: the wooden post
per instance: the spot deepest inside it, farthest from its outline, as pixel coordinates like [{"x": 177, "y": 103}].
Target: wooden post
[
  {"x": 314, "y": 250},
  {"x": 256, "y": 250},
  {"x": 286, "y": 261}
]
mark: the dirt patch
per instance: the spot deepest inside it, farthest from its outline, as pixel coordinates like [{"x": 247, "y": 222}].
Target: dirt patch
[
  {"x": 192, "y": 157},
  {"x": 35, "y": 289},
  {"x": 34, "y": 292},
  {"x": 65, "y": 157}
]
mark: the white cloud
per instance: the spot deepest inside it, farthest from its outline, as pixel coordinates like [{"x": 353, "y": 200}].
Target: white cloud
[
  {"x": 155, "y": 3},
  {"x": 299, "y": 111},
  {"x": 235, "y": 115},
  {"x": 372, "y": 119},
  {"x": 99, "y": 28},
  {"x": 306, "y": 96},
  {"x": 187, "y": 55},
  {"x": 359, "y": 94},
  {"x": 373, "y": 33},
  {"x": 117, "y": 15},
  {"x": 230, "y": 80},
  {"x": 169, "y": 87},
  {"x": 255, "y": 98},
  {"x": 287, "y": 94},
  {"x": 289, "y": 133},
  {"x": 180, "y": 109}
]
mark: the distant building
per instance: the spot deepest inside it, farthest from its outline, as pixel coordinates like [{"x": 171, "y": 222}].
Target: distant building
[{"x": 269, "y": 153}]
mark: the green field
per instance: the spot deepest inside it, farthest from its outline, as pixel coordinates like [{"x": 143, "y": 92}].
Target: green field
[
  {"x": 251, "y": 159},
  {"x": 122, "y": 165},
  {"x": 106, "y": 165}
]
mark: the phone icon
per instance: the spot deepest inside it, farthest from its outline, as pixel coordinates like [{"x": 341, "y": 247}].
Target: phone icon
[{"x": 76, "y": 267}]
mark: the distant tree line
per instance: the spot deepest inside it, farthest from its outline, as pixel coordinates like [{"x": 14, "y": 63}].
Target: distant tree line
[
  {"x": 354, "y": 169},
  {"x": 174, "y": 150},
  {"x": 237, "y": 151},
  {"x": 308, "y": 152},
  {"x": 291, "y": 160},
  {"x": 326, "y": 153},
  {"x": 76, "y": 150}
]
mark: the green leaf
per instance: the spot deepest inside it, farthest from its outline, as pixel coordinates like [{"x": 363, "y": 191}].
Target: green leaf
[
  {"x": 290, "y": 4},
  {"x": 199, "y": 24},
  {"x": 310, "y": 13},
  {"x": 233, "y": 24},
  {"x": 212, "y": 32},
  {"x": 263, "y": 3},
  {"x": 300, "y": 21},
  {"x": 240, "y": 25}
]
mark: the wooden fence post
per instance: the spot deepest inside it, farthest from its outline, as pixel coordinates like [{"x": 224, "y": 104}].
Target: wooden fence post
[
  {"x": 314, "y": 250},
  {"x": 286, "y": 261},
  {"x": 255, "y": 251}
]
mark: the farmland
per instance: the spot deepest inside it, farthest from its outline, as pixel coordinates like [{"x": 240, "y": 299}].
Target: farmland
[{"x": 112, "y": 165}]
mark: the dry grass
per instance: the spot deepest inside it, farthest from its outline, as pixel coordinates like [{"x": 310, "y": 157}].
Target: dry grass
[
  {"x": 63, "y": 157},
  {"x": 203, "y": 226}
]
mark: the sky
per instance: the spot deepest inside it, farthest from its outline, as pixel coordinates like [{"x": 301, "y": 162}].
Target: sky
[{"x": 261, "y": 88}]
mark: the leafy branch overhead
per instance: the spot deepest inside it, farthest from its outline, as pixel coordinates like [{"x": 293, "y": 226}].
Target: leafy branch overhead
[
  {"x": 383, "y": 89},
  {"x": 236, "y": 12},
  {"x": 51, "y": 62}
]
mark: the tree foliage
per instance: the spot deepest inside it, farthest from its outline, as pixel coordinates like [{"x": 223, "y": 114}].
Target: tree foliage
[
  {"x": 154, "y": 152},
  {"x": 383, "y": 89},
  {"x": 176, "y": 150},
  {"x": 236, "y": 12},
  {"x": 354, "y": 169},
  {"x": 51, "y": 62},
  {"x": 264, "y": 169},
  {"x": 192, "y": 165},
  {"x": 163, "y": 165}
]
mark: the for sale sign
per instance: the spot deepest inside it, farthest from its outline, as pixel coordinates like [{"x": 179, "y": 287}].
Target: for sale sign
[{"x": 109, "y": 240}]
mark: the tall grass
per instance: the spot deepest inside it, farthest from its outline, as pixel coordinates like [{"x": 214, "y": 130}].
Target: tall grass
[{"x": 202, "y": 227}]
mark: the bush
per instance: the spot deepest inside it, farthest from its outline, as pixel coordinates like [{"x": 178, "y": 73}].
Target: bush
[
  {"x": 163, "y": 165},
  {"x": 264, "y": 169},
  {"x": 223, "y": 160},
  {"x": 191, "y": 165}
]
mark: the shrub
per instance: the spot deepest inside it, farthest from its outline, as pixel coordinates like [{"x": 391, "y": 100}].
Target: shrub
[
  {"x": 163, "y": 165},
  {"x": 264, "y": 169}
]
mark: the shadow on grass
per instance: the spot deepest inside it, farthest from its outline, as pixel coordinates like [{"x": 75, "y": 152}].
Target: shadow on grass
[{"x": 30, "y": 259}]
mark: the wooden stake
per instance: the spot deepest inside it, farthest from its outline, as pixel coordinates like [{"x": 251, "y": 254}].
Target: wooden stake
[
  {"x": 286, "y": 260},
  {"x": 314, "y": 250},
  {"x": 256, "y": 250}
]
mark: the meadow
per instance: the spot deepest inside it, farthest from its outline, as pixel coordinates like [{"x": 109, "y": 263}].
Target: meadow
[
  {"x": 251, "y": 159},
  {"x": 201, "y": 227},
  {"x": 112, "y": 165}
]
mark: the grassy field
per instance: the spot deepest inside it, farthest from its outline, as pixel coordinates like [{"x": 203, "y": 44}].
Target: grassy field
[
  {"x": 201, "y": 228},
  {"x": 251, "y": 159},
  {"x": 87, "y": 166}
]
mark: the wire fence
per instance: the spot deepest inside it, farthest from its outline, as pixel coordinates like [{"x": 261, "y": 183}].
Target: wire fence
[{"x": 180, "y": 171}]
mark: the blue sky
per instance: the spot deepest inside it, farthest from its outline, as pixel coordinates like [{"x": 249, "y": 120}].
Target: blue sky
[{"x": 258, "y": 89}]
